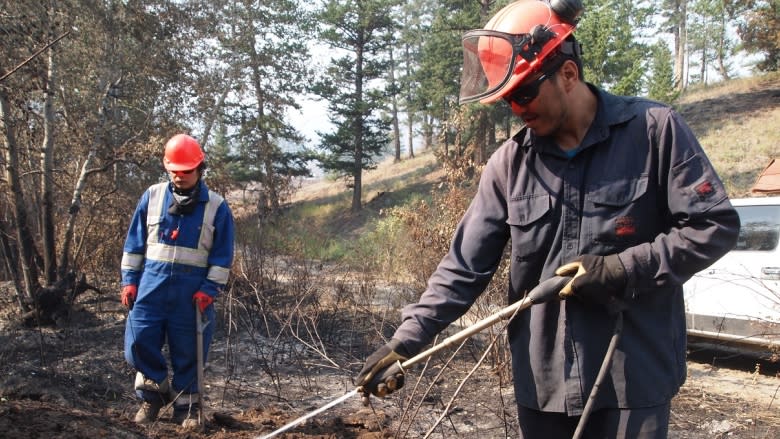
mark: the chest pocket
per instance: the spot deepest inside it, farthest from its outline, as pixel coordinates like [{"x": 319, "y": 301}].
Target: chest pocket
[
  {"x": 619, "y": 214},
  {"x": 530, "y": 221},
  {"x": 526, "y": 210},
  {"x": 154, "y": 229}
]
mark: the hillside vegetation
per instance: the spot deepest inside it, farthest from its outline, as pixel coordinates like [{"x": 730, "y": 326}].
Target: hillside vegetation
[{"x": 737, "y": 123}]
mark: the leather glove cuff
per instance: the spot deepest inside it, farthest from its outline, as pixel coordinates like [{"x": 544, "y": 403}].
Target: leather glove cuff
[{"x": 606, "y": 272}]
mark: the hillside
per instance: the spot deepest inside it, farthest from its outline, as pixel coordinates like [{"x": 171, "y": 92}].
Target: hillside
[{"x": 736, "y": 122}]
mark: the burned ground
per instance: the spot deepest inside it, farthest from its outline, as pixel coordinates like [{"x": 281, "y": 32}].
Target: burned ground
[{"x": 72, "y": 382}]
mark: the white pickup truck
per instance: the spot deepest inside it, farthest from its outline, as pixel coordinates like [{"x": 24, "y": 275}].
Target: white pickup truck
[{"x": 735, "y": 302}]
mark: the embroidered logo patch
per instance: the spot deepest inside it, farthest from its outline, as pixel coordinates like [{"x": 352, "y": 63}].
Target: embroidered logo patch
[
  {"x": 704, "y": 190},
  {"x": 624, "y": 226}
]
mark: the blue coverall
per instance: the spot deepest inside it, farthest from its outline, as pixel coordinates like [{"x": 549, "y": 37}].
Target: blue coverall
[{"x": 169, "y": 257}]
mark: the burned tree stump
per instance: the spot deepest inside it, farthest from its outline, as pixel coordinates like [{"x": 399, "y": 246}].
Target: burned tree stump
[{"x": 52, "y": 305}]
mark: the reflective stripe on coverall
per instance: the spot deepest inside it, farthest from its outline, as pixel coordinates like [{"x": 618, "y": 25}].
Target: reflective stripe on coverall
[{"x": 170, "y": 257}]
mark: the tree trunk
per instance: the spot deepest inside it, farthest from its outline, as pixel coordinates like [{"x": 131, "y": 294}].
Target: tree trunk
[
  {"x": 409, "y": 112},
  {"x": 25, "y": 243},
  {"x": 394, "y": 110},
  {"x": 47, "y": 159},
  {"x": 428, "y": 130},
  {"x": 678, "y": 20},
  {"x": 480, "y": 138},
  {"x": 212, "y": 117},
  {"x": 357, "y": 190},
  {"x": 721, "y": 48},
  {"x": 75, "y": 203},
  {"x": 269, "y": 179},
  {"x": 680, "y": 44},
  {"x": 9, "y": 256}
]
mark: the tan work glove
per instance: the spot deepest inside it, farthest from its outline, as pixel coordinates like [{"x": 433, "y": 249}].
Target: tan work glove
[
  {"x": 382, "y": 374},
  {"x": 599, "y": 279}
]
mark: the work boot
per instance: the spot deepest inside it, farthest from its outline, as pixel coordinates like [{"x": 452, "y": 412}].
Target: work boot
[
  {"x": 148, "y": 411},
  {"x": 186, "y": 415}
]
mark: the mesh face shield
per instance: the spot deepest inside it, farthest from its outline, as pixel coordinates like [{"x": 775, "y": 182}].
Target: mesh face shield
[
  {"x": 490, "y": 58},
  {"x": 494, "y": 61}
]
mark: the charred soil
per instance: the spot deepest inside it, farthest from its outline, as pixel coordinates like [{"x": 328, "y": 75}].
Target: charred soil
[{"x": 72, "y": 382}]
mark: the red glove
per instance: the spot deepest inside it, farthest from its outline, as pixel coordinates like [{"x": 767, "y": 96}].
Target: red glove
[
  {"x": 128, "y": 295},
  {"x": 203, "y": 300}
]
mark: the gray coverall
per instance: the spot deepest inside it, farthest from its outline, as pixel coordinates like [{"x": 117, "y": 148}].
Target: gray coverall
[{"x": 640, "y": 186}]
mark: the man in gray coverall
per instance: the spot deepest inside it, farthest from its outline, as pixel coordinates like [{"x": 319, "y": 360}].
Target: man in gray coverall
[{"x": 613, "y": 191}]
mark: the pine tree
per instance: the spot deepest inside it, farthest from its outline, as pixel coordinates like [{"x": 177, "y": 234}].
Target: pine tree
[
  {"x": 614, "y": 57},
  {"x": 262, "y": 66},
  {"x": 357, "y": 31},
  {"x": 661, "y": 82}
]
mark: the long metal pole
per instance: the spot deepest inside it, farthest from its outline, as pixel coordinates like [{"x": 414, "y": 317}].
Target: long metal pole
[
  {"x": 541, "y": 293},
  {"x": 312, "y": 414},
  {"x": 199, "y": 327}
]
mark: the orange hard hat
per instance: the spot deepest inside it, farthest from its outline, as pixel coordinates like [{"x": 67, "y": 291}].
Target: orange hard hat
[
  {"x": 515, "y": 43},
  {"x": 182, "y": 153}
]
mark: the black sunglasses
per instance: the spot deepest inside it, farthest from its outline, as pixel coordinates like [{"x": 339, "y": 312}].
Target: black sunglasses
[
  {"x": 187, "y": 172},
  {"x": 525, "y": 94}
]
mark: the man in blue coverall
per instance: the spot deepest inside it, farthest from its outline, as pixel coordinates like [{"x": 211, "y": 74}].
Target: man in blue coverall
[
  {"x": 615, "y": 192},
  {"x": 177, "y": 256}
]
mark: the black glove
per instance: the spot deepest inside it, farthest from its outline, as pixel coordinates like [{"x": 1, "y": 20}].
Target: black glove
[
  {"x": 600, "y": 279},
  {"x": 382, "y": 373}
]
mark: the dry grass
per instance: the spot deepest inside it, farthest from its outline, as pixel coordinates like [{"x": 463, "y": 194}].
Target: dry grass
[
  {"x": 718, "y": 90},
  {"x": 737, "y": 122},
  {"x": 388, "y": 175}
]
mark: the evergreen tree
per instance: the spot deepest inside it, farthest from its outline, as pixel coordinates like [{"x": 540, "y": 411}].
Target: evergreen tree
[
  {"x": 357, "y": 31},
  {"x": 661, "y": 82},
  {"x": 441, "y": 60},
  {"x": 415, "y": 18},
  {"x": 759, "y": 28},
  {"x": 614, "y": 57},
  {"x": 259, "y": 66}
]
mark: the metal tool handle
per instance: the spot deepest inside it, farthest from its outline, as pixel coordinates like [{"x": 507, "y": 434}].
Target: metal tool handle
[
  {"x": 311, "y": 414},
  {"x": 199, "y": 328},
  {"x": 543, "y": 292}
]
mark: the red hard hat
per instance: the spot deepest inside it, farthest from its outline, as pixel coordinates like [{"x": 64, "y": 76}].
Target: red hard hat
[
  {"x": 514, "y": 44},
  {"x": 182, "y": 153}
]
